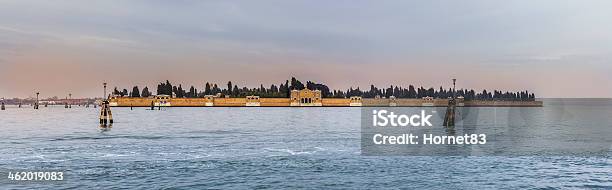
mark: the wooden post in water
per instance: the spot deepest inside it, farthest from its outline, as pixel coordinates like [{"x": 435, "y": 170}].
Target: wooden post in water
[
  {"x": 36, "y": 103},
  {"x": 106, "y": 116},
  {"x": 449, "y": 118},
  {"x": 152, "y": 105},
  {"x": 70, "y": 102},
  {"x": 2, "y": 106}
]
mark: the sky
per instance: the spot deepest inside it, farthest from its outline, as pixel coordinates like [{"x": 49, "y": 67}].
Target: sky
[{"x": 553, "y": 48}]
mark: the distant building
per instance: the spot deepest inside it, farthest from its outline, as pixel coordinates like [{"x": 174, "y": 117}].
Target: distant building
[
  {"x": 355, "y": 101},
  {"x": 252, "y": 101},
  {"x": 392, "y": 101},
  {"x": 162, "y": 100},
  {"x": 306, "y": 97},
  {"x": 428, "y": 101},
  {"x": 209, "y": 100}
]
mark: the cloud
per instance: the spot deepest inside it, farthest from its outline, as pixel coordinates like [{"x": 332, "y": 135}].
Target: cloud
[
  {"x": 14, "y": 30},
  {"x": 194, "y": 41},
  {"x": 84, "y": 40}
]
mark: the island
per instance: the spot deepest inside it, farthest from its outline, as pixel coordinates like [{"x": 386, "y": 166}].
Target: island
[{"x": 295, "y": 94}]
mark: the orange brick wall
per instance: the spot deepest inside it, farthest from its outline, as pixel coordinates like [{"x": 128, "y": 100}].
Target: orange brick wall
[
  {"x": 135, "y": 102},
  {"x": 336, "y": 102},
  {"x": 196, "y": 102},
  {"x": 274, "y": 101}
]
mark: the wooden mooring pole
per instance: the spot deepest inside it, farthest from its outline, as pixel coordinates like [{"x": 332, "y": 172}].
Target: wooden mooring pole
[
  {"x": 449, "y": 117},
  {"x": 36, "y": 103},
  {"x": 2, "y": 106},
  {"x": 106, "y": 116}
]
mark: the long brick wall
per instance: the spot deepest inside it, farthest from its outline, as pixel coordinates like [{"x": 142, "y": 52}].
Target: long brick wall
[
  {"x": 335, "y": 102},
  {"x": 276, "y": 102},
  {"x": 330, "y": 102},
  {"x": 135, "y": 102},
  {"x": 480, "y": 103},
  {"x": 229, "y": 102}
]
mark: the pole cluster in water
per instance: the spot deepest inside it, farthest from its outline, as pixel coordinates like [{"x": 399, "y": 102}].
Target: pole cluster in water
[
  {"x": 106, "y": 116},
  {"x": 449, "y": 117},
  {"x": 36, "y": 103}
]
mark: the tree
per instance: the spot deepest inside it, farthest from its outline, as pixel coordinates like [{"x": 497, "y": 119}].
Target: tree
[
  {"x": 180, "y": 93},
  {"x": 116, "y": 92},
  {"x": 192, "y": 93},
  {"x": 229, "y": 87},
  {"x": 135, "y": 92},
  {"x": 284, "y": 91},
  {"x": 207, "y": 90},
  {"x": 235, "y": 92},
  {"x": 145, "y": 92},
  {"x": 296, "y": 84},
  {"x": 164, "y": 89},
  {"x": 215, "y": 90}
]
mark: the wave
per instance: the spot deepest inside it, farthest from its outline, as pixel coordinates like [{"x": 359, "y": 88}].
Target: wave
[
  {"x": 108, "y": 137},
  {"x": 133, "y": 137},
  {"x": 220, "y": 131},
  {"x": 295, "y": 152}
]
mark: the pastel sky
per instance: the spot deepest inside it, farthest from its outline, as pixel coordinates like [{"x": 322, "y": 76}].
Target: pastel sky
[{"x": 554, "y": 48}]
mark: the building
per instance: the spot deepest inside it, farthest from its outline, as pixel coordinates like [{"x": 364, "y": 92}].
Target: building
[
  {"x": 355, "y": 101},
  {"x": 162, "y": 100},
  {"x": 306, "y": 97},
  {"x": 392, "y": 101},
  {"x": 252, "y": 101},
  {"x": 427, "y": 101},
  {"x": 209, "y": 100}
]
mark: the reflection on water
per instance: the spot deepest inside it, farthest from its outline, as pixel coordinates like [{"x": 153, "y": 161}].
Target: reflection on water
[
  {"x": 105, "y": 128},
  {"x": 450, "y": 130}
]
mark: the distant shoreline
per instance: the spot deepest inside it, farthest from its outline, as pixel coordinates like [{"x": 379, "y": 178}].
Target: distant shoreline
[{"x": 254, "y": 101}]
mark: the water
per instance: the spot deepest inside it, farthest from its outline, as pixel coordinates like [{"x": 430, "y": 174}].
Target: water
[{"x": 245, "y": 148}]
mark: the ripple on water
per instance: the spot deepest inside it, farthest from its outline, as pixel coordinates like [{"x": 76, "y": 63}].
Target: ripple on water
[{"x": 271, "y": 148}]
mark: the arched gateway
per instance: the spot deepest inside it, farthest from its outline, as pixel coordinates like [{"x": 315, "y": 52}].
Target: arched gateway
[{"x": 306, "y": 97}]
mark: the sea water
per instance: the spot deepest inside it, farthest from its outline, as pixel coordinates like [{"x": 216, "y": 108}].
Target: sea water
[{"x": 290, "y": 148}]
